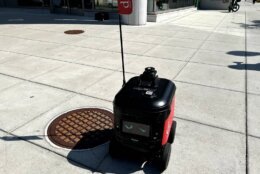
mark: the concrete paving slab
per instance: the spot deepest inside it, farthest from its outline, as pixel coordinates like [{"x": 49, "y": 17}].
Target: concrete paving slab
[
  {"x": 102, "y": 26},
  {"x": 218, "y": 58},
  {"x": 185, "y": 43},
  {"x": 253, "y": 60},
  {"x": 8, "y": 30},
  {"x": 97, "y": 43},
  {"x": 33, "y": 101},
  {"x": 208, "y": 23},
  {"x": 253, "y": 47},
  {"x": 169, "y": 52},
  {"x": 150, "y": 31},
  {"x": 197, "y": 28},
  {"x": 23, "y": 32},
  {"x": 253, "y": 79},
  {"x": 29, "y": 47},
  {"x": 7, "y": 56},
  {"x": 156, "y": 32},
  {"x": 18, "y": 156},
  {"x": 73, "y": 77},
  {"x": 253, "y": 115},
  {"x": 54, "y": 27},
  {"x": 253, "y": 39},
  {"x": 10, "y": 43},
  {"x": 215, "y": 76},
  {"x": 231, "y": 24},
  {"x": 65, "y": 53},
  {"x": 89, "y": 157},
  {"x": 203, "y": 22},
  {"x": 132, "y": 47},
  {"x": 6, "y": 82},
  {"x": 149, "y": 39},
  {"x": 220, "y": 37},
  {"x": 193, "y": 28},
  {"x": 107, "y": 87},
  {"x": 214, "y": 147},
  {"x": 192, "y": 35},
  {"x": 92, "y": 31},
  {"x": 231, "y": 31},
  {"x": 136, "y": 29},
  {"x": 254, "y": 155},
  {"x": 53, "y": 37},
  {"x": 165, "y": 68},
  {"x": 28, "y": 67},
  {"x": 105, "y": 59},
  {"x": 214, "y": 107},
  {"x": 222, "y": 46},
  {"x": 105, "y": 34},
  {"x": 253, "y": 29}
]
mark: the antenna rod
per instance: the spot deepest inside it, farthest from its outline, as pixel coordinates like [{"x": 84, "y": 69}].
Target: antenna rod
[{"x": 122, "y": 48}]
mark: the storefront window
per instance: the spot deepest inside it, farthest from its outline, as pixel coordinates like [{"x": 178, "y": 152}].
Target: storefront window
[
  {"x": 151, "y": 5},
  {"x": 88, "y": 4},
  {"x": 162, "y": 5},
  {"x": 34, "y": 3},
  {"x": 106, "y": 4}
]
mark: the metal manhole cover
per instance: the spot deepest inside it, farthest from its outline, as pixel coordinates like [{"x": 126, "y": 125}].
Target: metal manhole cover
[
  {"x": 74, "y": 31},
  {"x": 81, "y": 128}
]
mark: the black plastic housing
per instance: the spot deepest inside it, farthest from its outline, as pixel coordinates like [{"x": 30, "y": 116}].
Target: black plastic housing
[{"x": 145, "y": 99}]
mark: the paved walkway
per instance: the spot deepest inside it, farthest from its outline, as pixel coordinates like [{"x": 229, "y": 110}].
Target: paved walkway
[{"x": 212, "y": 56}]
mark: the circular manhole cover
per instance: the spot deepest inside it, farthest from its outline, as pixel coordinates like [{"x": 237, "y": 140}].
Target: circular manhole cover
[
  {"x": 81, "y": 128},
  {"x": 74, "y": 31}
]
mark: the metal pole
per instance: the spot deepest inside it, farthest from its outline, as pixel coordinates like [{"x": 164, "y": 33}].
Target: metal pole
[{"x": 122, "y": 48}]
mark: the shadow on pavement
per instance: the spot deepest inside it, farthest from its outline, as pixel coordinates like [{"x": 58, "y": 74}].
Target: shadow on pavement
[
  {"x": 20, "y": 138},
  {"x": 90, "y": 155},
  {"x": 255, "y": 24},
  {"x": 243, "y": 53},
  {"x": 122, "y": 165},
  {"x": 242, "y": 66}
]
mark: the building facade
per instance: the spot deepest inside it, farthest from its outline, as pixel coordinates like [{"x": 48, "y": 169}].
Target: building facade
[{"x": 80, "y": 6}]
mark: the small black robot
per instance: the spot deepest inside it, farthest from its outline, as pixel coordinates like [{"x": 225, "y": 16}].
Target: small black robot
[{"x": 143, "y": 117}]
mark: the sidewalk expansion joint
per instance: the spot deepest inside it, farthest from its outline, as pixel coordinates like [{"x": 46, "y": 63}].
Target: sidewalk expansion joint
[
  {"x": 63, "y": 89},
  {"x": 41, "y": 114},
  {"x": 209, "y": 125},
  {"x": 82, "y": 94},
  {"x": 198, "y": 49},
  {"x": 214, "y": 87},
  {"x": 246, "y": 98},
  {"x": 63, "y": 61},
  {"x": 189, "y": 59},
  {"x": 52, "y": 151}
]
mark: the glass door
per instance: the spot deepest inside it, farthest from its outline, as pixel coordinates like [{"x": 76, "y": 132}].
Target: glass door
[
  {"x": 88, "y": 4},
  {"x": 75, "y": 7}
]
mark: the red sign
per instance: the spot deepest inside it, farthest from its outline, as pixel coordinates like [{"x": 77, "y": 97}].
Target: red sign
[{"x": 125, "y": 6}]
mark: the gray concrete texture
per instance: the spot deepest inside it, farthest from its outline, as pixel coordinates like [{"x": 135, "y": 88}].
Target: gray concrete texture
[{"x": 212, "y": 56}]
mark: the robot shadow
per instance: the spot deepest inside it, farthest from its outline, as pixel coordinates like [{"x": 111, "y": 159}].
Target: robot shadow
[{"x": 97, "y": 159}]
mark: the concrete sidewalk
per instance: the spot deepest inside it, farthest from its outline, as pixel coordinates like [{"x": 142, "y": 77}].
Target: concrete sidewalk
[{"x": 212, "y": 56}]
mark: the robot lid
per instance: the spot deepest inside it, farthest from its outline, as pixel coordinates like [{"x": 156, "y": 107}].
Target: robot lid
[{"x": 146, "y": 92}]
